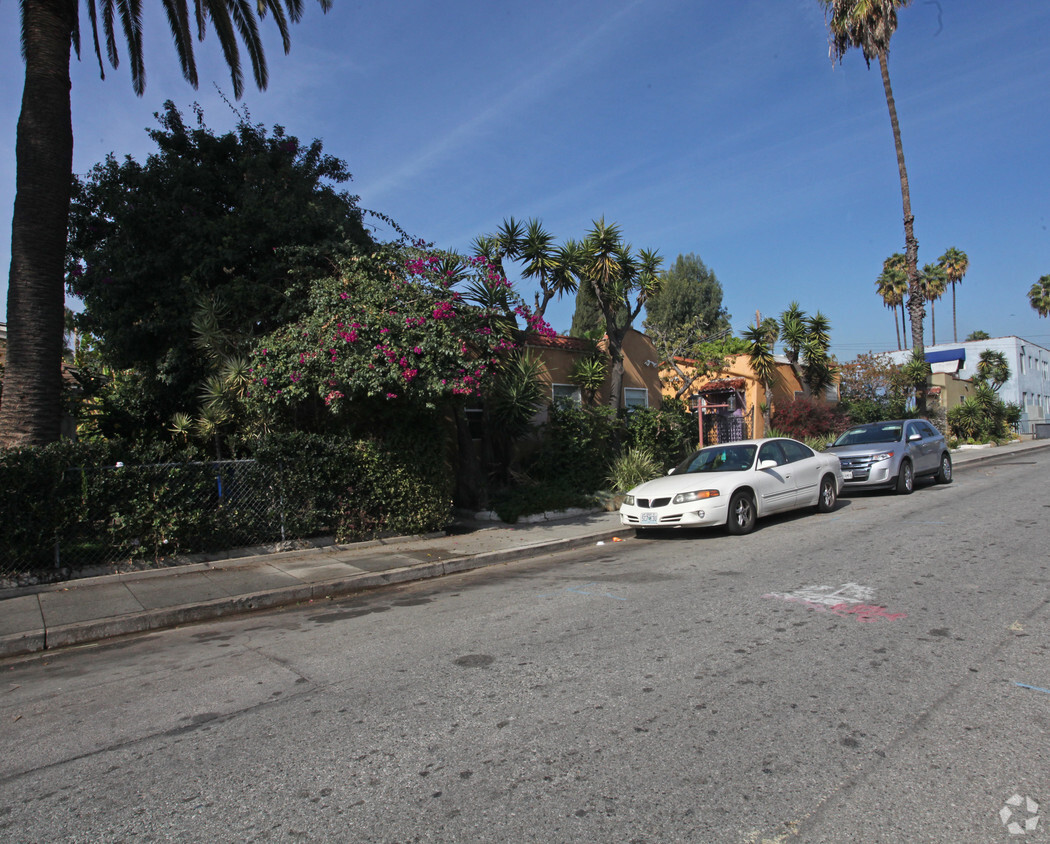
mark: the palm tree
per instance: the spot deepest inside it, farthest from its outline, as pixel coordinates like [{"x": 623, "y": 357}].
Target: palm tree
[
  {"x": 1039, "y": 296},
  {"x": 934, "y": 282},
  {"x": 760, "y": 341},
  {"x": 869, "y": 25},
  {"x": 30, "y": 407},
  {"x": 955, "y": 264},
  {"x": 892, "y": 286}
]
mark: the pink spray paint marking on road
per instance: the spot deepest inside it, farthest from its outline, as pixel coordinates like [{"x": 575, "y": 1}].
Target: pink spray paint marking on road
[{"x": 848, "y": 600}]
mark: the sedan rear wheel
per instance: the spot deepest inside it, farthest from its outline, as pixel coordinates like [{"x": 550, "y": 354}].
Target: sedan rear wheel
[
  {"x": 944, "y": 474},
  {"x": 905, "y": 478},
  {"x": 827, "y": 498},
  {"x": 741, "y": 513}
]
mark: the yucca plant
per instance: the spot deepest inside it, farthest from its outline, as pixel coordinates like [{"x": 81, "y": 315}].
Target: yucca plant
[{"x": 632, "y": 467}]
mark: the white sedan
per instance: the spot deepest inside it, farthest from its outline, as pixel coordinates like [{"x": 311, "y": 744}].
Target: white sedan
[{"x": 734, "y": 484}]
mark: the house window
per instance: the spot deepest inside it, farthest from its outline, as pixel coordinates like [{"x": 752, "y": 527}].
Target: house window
[
  {"x": 635, "y": 397},
  {"x": 566, "y": 392},
  {"x": 832, "y": 392}
]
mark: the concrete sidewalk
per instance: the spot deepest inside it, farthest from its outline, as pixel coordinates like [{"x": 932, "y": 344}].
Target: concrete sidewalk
[{"x": 89, "y": 609}]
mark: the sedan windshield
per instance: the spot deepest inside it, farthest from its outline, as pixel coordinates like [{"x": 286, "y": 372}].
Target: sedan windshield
[
  {"x": 880, "y": 433},
  {"x": 722, "y": 458}
]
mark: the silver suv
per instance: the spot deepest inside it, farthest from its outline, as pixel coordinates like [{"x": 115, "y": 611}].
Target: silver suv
[{"x": 892, "y": 454}]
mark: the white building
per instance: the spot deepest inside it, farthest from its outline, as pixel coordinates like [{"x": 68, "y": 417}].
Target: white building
[{"x": 1029, "y": 384}]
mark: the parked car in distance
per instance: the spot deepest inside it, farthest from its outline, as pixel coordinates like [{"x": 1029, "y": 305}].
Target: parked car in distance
[
  {"x": 892, "y": 454},
  {"x": 734, "y": 484}
]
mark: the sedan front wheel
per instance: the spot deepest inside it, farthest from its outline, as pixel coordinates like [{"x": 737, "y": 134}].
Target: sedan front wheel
[
  {"x": 741, "y": 513},
  {"x": 827, "y": 498}
]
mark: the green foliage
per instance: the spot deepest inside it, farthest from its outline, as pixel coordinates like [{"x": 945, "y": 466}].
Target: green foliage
[
  {"x": 805, "y": 418},
  {"x": 229, "y": 207},
  {"x": 1039, "y": 296},
  {"x": 530, "y": 498},
  {"x": 156, "y": 502},
  {"x": 632, "y": 467},
  {"x": 872, "y": 388},
  {"x": 384, "y": 330},
  {"x": 669, "y": 432},
  {"x": 978, "y": 335},
  {"x": 687, "y": 308},
  {"x": 577, "y": 443},
  {"x": 983, "y": 417},
  {"x": 589, "y": 374},
  {"x": 517, "y": 394},
  {"x": 992, "y": 369}
]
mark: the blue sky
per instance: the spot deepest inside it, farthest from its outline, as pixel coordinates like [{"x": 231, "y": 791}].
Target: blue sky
[{"x": 698, "y": 126}]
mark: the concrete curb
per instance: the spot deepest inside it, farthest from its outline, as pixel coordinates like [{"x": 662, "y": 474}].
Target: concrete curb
[{"x": 94, "y": 630}]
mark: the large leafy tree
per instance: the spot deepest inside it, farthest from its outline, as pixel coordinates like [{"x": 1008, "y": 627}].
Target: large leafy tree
[
  {"x": 869, "y": 25},
  {"x": 687, "y": 308},
  {"x": 955, "y": 263},
  {"x": 30, "y": 407},
  {"x": 1039, "y": 296},
  {"x": 236, "y": 211},
  {"x": 621, "y": 282}
]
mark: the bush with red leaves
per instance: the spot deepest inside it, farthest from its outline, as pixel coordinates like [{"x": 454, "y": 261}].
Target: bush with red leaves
[{"x": 804, "y": 418}]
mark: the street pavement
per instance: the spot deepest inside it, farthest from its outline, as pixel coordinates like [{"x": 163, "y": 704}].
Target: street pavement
[{"x": 73, "y": 612}]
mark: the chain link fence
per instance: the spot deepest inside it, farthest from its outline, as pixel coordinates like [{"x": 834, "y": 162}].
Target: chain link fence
[{"x": 111, "y": 518}]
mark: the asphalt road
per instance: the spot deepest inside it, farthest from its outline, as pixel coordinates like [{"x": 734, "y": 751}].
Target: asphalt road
[{"x": 877, "y": 674}]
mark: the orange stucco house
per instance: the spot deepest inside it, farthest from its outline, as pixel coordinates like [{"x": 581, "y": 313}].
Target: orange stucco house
[
  {"x": 642, "y": 386},
  {"x": 730, "y": 401}
]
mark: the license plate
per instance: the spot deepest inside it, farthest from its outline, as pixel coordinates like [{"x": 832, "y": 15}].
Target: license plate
[
  {"x": 648, "y": 518},
  {"x": 847, "y": 474}
]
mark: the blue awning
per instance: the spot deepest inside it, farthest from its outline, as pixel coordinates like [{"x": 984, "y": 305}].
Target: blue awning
[{"x": 946, "y": 355}]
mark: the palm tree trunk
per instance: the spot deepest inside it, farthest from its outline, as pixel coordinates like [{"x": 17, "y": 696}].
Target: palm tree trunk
[
  {"x": 30, "y": 412},
  {"x": 916, "y": 309},
  {"x": 904, "y": 326},
  {"x": 897, "y": 327},
  {"x": 933, "y": 322},
  {"x": 955, "y": 328}
]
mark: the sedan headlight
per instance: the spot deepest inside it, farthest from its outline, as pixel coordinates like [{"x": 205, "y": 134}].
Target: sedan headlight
[
  {"x": 628, "y": 500},
  {"x": 698, "y": 495}
]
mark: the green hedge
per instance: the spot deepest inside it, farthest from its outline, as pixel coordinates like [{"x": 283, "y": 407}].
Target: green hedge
[{"x": 99, "y": 503}]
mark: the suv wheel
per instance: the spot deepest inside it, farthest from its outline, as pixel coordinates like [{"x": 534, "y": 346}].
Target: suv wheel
[{"x": 905, "y": 478}]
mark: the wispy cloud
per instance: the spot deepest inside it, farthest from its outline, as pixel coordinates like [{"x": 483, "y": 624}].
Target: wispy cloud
[{"x": 528, "y": 90}]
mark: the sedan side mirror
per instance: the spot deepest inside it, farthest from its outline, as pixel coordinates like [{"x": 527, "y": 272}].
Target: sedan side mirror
[{"x": 767, "y": 464}]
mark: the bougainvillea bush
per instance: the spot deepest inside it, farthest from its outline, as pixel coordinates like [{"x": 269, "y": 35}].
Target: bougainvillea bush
[{"x": 394, "y": 327}]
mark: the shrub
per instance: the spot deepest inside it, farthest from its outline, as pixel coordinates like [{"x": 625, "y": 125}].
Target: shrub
[
  {"x": 576, "y": 445},
  {"x": 669, "y": 432},
  {"x": 90, "y": 503},
  {"x": 805, "y": 418},
  {"x": 634, "y": 466}
]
